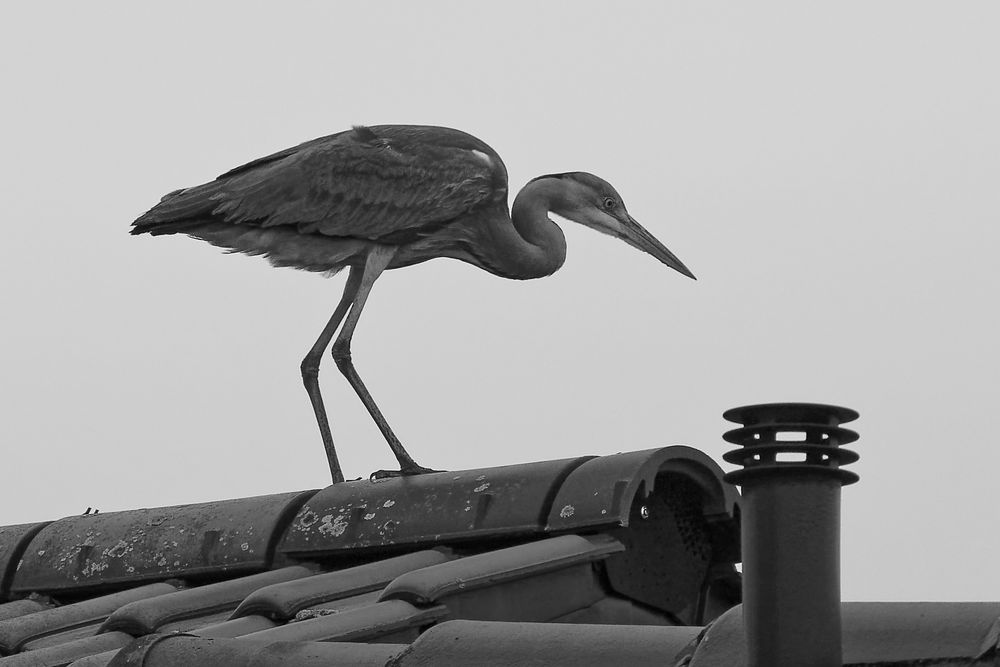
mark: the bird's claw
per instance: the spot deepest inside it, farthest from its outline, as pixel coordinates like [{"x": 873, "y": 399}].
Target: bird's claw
[{"x": 402, "y": 472}]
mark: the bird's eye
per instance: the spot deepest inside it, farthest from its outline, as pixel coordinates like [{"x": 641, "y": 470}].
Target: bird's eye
[{"x": 609, "y": 203}]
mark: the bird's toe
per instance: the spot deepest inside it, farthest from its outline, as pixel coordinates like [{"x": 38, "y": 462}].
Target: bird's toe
[{"x": 403, "y": 472}]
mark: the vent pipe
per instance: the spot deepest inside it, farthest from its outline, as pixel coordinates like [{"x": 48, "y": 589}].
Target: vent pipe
[{"x": 791, "y": 479}]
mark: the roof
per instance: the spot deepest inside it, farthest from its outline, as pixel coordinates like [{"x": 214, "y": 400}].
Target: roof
[
  {"x": 622, "y": 559},
  {"x": 630, "y": 554}
]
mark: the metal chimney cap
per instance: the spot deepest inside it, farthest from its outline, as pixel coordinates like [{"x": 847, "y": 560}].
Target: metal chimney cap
[
  {"x": 790, "y": 439},
  {"x": 764, "y": 413}
]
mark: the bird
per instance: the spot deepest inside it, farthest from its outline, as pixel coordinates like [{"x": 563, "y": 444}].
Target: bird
[{"x": 381, "y": 197}]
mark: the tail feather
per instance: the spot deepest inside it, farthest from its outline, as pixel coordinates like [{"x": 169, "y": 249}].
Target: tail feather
[{"x": 179, "y": 211}]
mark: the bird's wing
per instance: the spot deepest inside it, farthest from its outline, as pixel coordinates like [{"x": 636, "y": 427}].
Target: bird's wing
[{"x": 384, "y": 187}]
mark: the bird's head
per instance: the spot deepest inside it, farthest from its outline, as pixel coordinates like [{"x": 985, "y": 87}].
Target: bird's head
[{"x": 591, "y": 201}]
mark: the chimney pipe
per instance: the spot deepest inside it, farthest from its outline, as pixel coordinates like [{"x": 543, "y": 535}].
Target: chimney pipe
[{"x": 791, "y": 479}]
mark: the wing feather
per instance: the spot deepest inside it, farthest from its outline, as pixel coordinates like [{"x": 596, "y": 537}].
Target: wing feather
[{"x": 388, "y": 183}]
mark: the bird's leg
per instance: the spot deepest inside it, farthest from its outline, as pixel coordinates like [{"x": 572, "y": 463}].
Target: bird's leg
[
  {"x": 378, "y": 259},
  {"x": 310, "y": 371}
]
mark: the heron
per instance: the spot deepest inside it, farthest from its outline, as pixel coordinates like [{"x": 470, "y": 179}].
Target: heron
[{"x": 382, "y": 197}]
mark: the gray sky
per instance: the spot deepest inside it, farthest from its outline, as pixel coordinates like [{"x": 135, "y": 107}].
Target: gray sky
[{"x": 829, "y": 171}]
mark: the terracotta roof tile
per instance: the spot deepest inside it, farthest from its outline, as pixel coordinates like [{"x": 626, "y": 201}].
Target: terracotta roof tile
[
  {"x": 71, "y": 634},
  {"x": 13, "y": 541},
  {"x": 115, "y": 549},
  {"x": 536, "y": 581},
  {"x": 431, "y": 584},
  {"x": 489, "y": 644},
  {"x": 16, "y": 632},
  {"x": 383, "y": 621},
  {"x": 193, "y": 623},
  {"x": 882, "y": 633},
  {"x": 342, "y": 604},
  {"x": 20, "y": 608},
  {"x": 235, "y": 627},
  {"x": 432, "y": 508},
  {"x": 62, "y": 654},
  {"x": 144, "y": 617},
  {"x": 614, "y": 611},
  {"x": 174, "y": 650},
  {"x": 282, "y": 601},
  {"x": 599, "y": 492},
  {"x": 96, "y": 660}
]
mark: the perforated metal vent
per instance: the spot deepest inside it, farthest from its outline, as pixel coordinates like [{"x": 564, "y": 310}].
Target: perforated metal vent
[{"x": 669, "y": 522}]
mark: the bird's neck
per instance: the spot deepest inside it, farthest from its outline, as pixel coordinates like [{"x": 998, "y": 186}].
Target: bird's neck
[{"x": 534, "y": 246}]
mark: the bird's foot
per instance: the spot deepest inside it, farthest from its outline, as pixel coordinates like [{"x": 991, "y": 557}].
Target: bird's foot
[{"x": 402, "y": 472}]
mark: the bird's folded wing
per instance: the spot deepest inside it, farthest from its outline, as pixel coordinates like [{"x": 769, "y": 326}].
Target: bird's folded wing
[{"x": 345, "y": 185}]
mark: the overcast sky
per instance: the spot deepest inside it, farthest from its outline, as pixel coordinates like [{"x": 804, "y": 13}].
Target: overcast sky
[{"x": 829, "y": 171}]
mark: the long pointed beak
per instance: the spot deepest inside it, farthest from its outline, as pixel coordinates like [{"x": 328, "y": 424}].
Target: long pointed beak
[{"x": 637, "y": 236}]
